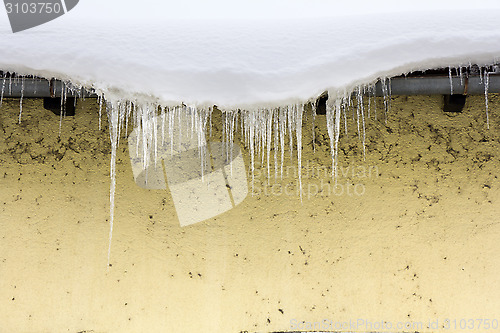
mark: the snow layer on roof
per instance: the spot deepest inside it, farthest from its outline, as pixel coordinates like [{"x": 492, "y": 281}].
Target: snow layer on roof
[{"x": 249, "y": 53}]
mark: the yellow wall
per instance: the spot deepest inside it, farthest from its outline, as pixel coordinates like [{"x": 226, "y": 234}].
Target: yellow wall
[{"x": 420, "y": 245}]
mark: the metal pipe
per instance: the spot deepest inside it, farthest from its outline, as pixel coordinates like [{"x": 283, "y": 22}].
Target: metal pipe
[
  {"x": 420, "y": 85},
  {"x": 16, "y": 87},
  {"x": 438, "y": 85}
]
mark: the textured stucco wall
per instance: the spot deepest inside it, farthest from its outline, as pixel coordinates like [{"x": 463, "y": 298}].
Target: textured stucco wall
[{"x": 420, "y": 244}]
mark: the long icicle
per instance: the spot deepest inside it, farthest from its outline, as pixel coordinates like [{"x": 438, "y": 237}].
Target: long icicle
[
  {"x": 113, "y": 116},
  {"x": 21, "y": 100},
  {"x": 486, "y": 84},
  {"x": 299, "y": 109},
  {"x": 3, "y": 90}
]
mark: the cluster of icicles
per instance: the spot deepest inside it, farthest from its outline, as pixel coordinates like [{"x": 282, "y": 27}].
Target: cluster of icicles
[{"x": 266, "y": 132}]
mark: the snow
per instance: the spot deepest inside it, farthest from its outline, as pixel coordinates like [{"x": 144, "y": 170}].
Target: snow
[
  {"x": 248, "y": 62},
  {"x": 265, "y": 58}
]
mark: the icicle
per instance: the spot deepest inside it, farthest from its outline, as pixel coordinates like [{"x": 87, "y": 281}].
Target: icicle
[
  {"x": 100, "y": 98},
  {"x": 344, "y": 110},
  {"x": 62, "y": 107},
  {"x": 358, "y": 109},
  {"x": 282, "y": 123},
  {"x": 290, "y": 128},
  {"x": 386, "y": 94},
  {"x": 154, "y": 132},
  {"x": 451, "y": 80},
  {"x": 250, "y": 122},
  {"x": 372, "y": 95},
  {"x": 162, "y": 117},
  {"x": 171, "y": 119},
  {"x": 210, "y": 120},
  {"x": 349, "y": 105},
  {"x": 313, "y": 110},
  {"x": 258, "y": 135},
  {"x": 369, "y": 103},
  {"x": 261, "y": 129},
  {"x": 276, "y": 142},
  {"x": 233, "y": 126},
  {"x": 389, "y": 98},
  {"x": 265, "y": 132},
  {"x": 113, "y": 117},
  {"x": 65, "y": 97},
  {"x": 269, "y": 133},
  {"x": 229, "y": 126},
  {"x": 486, "y": 84},
  {"x": 21, "y": 100},
  {"x": 389, "y": 88},
  {"x": 333, "y": 124},
  {"x": 361, "y": 110},
  {"x": 225, "y": 135},
  {"x": 129, "y": 110},
  {"x": 3, "y": 89},
  {"x": 299, "y": 109}
]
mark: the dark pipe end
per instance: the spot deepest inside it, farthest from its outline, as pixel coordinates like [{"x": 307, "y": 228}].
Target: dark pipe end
[
  {"x": 321, "y": 103},
  {"x": 454, "y": 103},
  {"x": 54, "y": 105}
]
